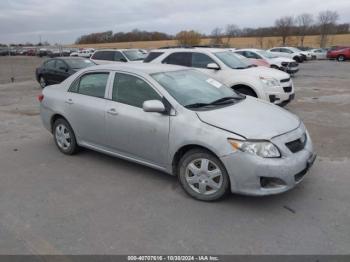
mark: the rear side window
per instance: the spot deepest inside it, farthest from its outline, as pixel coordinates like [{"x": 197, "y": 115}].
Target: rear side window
[
  {"x": 50, "y": 64},
  {"x": 104, "y": 55},
  {"x": 181, "y": 58},
  {"x": 93, "y": 84},
  {"x": 151, "y": 56},
  {"x": 131, "y": 90},
  {"x": 200, "y": 60},
  {"x": 275, "y": 50},
  {"x": 119, "y": 57}
]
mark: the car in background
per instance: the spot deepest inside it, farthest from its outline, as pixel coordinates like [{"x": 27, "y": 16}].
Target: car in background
[
  {"x": 341, "y": 54},
  {"x": 86, "y": 53},
  {"x": 289, "y": 52},
  {"x": 318, "y": 53},
  {"x": 252, "y": 59},
  {"x": 107, "y": 56},
  {"x": 56, "y": 70},
  {"x": 230, "y": 143},
  {"x": 282, "y": 63},
  {"x": 265, "y": 83}
]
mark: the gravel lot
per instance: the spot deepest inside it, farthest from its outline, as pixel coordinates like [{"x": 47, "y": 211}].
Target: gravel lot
[{"x": 92, "y": 203}]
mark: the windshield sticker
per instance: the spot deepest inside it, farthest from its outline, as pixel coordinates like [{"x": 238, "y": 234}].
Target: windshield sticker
[{"x": 214, "y": 83}]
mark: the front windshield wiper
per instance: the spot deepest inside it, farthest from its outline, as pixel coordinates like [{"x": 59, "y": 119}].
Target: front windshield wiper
[{"x": 221, "y": 101}]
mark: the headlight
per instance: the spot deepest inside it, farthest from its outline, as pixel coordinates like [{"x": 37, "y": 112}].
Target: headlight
[
  {"x": 270, "y": 82},
  {"x": 259, "y": 148}
]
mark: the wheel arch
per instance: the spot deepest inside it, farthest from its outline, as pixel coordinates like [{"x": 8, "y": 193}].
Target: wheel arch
[
  {"x": 236, "y": 86},
  {"x": 54, "y": 118}
]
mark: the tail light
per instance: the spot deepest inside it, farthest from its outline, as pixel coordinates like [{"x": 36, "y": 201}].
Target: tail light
[{"x": 40, "y": 97}]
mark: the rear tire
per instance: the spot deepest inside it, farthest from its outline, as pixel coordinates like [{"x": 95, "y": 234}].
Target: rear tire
[
  {"x": 341, "y": 58},
  {"x": 64, "y": 137},
  {"x": 245, "y": 90},
  {"x": 42, "y": 82},
  {"x": 203, "y": 176}
]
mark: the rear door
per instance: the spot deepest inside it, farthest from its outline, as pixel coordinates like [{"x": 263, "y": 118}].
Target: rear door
[
  {"x": 132, "y": 131},
  {"x": 49, "y": 71},
  {"x": 86, "y": 106}
]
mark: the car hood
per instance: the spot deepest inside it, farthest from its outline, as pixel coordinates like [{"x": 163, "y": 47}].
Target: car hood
[
  {"x": 281, "y": 60},
  {"x": 265, "y": 72},
  {"x": 252, "y": 118}
]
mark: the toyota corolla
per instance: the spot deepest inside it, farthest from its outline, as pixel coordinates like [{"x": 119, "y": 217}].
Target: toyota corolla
[{"x": 182, "y": 122}]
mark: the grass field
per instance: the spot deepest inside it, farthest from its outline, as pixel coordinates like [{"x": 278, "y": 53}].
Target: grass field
[{"x": 240, "y": 42}]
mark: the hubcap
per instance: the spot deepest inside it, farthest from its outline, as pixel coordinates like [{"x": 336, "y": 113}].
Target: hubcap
[
  {"x": 204, "y": 176},
  {"x": 42, "y": 82},
  {"x": 63, "y": 137}
]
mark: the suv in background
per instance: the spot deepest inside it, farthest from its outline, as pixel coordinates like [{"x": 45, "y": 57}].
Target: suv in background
[
  {"x": 341, "y": 54},
  {"x": 288, "y": 52},
  {"x": 261, "y": 82},
  {"x": 107, "y": 56}
]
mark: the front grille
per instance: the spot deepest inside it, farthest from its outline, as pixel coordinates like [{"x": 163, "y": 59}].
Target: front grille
[
  {"x": 285, "y": 80},
  {"x": 287, "y": 89},
  {"x": 297, "y": 145},
  {"x": 300, "y": 175}
]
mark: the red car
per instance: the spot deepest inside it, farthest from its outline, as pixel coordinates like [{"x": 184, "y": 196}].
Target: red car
[{"x": 341, "y": 54}]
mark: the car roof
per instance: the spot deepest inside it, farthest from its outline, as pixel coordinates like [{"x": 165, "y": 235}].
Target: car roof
[
  {"x": 195, "y": 49},
  {"x": 115, "y": 49},
  {"x": 145, "y": 68}
]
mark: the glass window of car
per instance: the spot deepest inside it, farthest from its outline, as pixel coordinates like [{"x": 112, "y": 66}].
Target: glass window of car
[
  {"x": 232, "y": 60},
  {"x": 285, "y": 50},
  {"x": 200, "y": 60},
  {"x": 79, "y": 63},
  {"x": 92, "y": 84},
  {"x": 132, "y": 90},
  {"x": 119, "y": 57},
  {"x": 50, "y": 64},
  {"x": 179, "y": 58},
  {"x": 275, "y": 50},
  {"x": 151, "y": 56},
  {"x": 103, "y": 55},
  {"x": 190, "y": 87},
  {"x": 266, "y": 54},
  {"x": 61, "y": 66},
  {"x": 251, "y": 55},
  {"x": 134, "y": 55}
]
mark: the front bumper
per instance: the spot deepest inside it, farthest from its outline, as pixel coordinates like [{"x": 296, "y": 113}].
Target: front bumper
[
  {"x": 247, "y": 172},
  {"x": 281, "y": 95}
]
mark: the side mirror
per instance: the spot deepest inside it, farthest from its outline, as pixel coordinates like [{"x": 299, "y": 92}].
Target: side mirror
[
  {"x": 154, "y": 106},
  {"x": 213, "y": 66}
]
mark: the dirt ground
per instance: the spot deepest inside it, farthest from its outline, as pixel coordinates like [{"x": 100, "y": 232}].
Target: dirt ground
[{"x": 94, "y": 204}]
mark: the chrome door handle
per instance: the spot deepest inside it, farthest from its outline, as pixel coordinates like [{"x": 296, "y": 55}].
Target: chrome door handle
[
  {"x": 112, "y": 111},
  {"x": 69, "y": 101}
]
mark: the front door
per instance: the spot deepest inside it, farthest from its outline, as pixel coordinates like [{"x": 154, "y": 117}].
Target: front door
[{"x": 132, "y": 131}]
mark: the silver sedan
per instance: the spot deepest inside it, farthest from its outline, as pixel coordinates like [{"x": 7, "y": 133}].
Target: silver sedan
[{"x": 182, "y": 122}]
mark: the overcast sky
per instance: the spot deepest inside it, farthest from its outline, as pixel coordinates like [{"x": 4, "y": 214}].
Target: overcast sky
[{"x": 62, "y": 21}]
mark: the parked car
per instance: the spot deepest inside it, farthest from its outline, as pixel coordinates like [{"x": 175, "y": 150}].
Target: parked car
[
  {"x": 318, "y": 53},
  {"x": 182, "y": 122},
  {"x": 251, "y": 58},
  {"x": 282, "y": 63},
  {"x": 86, "y": 53},
  {"x": 54, "y": 71},
  {"x": 265, "y": 83},
  {"x": 288, "y": 52},
  {"x": 341, "y": 54},
  {"x": 307, "y": 55},
  {"x": 106, "y": 56}
]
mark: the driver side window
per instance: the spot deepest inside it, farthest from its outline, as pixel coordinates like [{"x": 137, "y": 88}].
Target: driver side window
[{"x": 200, "y": 60}]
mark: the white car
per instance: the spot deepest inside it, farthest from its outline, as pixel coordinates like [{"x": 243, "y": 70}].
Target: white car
[
  {"x": 282, "y": 63},
  {"x": 289, "y": 52},
  {"x": 265, "y": 83},
  {"x": 107, "y": 56},
  {"x": 86, "y": 53},
  {"x": 319, "y": 53}
]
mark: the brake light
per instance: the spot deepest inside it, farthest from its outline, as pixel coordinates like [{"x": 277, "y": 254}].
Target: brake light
[{"x": 40, "y": 98}]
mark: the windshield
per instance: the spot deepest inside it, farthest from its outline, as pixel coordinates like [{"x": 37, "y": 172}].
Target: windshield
[
  {"x": 190, "y": 87},
  {"x": 266, "y": 54},
  {"x": 232, "y": 60},
  {"x": 134, "y": 55},
  {"x": 79, "y": 63}
]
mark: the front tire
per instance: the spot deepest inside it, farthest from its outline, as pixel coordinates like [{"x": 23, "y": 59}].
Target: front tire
[
  {"x": 64, "y": 137},
  {"x": 203, "y": 176}
]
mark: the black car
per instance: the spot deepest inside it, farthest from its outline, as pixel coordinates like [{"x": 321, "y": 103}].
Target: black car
[{"x": 54, "y": 71}]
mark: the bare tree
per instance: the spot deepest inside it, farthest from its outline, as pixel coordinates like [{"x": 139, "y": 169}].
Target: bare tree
[
  {"x": 304, "y": 22},
  {"x": 231, "y": 32},
  {"x": 189, "y": 38},
  {"x": 216, "y": 36},
  {"x": 327, "y": 22},
  {"x": 284, "y": 27}
]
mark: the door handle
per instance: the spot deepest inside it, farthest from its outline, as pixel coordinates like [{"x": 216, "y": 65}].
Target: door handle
[
  {"x": 112, "y": 111},
  {"x": 69, "y": 101}
]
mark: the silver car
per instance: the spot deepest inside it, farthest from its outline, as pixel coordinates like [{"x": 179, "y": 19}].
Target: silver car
[{"x": 182, "y": 122}]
